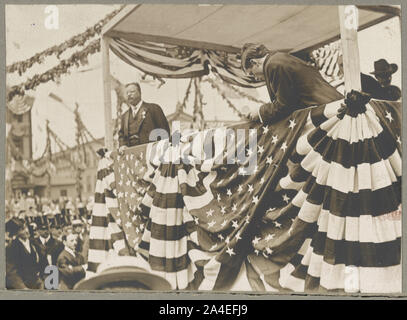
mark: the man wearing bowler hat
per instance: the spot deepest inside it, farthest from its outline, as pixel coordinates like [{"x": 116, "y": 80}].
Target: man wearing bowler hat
[
  {"x": 140, "y": 119},
  {"x": 22, "y": 259},
  {"x": 381, "y": 88},
  {"x": 48, "y": 248}
]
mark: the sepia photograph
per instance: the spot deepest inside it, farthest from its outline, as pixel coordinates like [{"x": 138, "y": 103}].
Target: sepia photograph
[{"x": 234, "y": 148}]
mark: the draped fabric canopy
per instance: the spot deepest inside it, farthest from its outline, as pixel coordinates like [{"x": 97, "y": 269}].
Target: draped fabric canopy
[
  {"x": 183, "y": 40},
  {"x": 171, "y": 61}
]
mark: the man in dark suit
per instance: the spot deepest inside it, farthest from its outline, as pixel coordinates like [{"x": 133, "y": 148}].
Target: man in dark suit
[
  {"x": 291, "y": 83},
  {"x": 22, "y": 259},
  {"x": 82, "y": 241},
  {"x": 70, "y": 264},
  {"x": 140, "y": 120},
  {"x": 47, "y": 247},
  {"x": 381, "y": 88}
]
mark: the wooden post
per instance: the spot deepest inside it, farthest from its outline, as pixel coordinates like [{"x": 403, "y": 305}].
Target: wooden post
[
  {"x": 348, "y": 21},
  {"x": 107, "y": 93}
]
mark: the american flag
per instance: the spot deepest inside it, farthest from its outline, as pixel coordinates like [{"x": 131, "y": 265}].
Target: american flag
[{"x": 310, "y": 211}]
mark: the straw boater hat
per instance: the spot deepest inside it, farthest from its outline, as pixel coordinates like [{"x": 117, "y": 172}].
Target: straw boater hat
[
  {"x": 382, "y": 66},
  {"x": 123, "y": 271},
  {"x": 77, "y": 222}
]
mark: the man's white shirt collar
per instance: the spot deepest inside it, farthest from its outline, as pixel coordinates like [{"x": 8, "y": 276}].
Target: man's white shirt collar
[
  {"x": 44, "y": 240},
  {"x": 70, "y": 251},
  {"x": 136, "y": 108}
]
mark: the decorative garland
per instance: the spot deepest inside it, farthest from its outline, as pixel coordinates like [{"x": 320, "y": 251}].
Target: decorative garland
[
  {"x": 54, "y": 74},
  {"x": 187, "y": 93},
  {"x": 198, "y": 105},
  {"x": 58, "y": 50},
  {"x": 223, "y": 95},
  {"x": 243, "y": 94}
]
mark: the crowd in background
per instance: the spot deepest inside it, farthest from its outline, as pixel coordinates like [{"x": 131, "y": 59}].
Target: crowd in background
[{"x": 41, "y": 232}]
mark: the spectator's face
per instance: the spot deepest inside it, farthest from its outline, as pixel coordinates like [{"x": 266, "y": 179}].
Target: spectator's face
[
  {"x": 70, "y": 241},
  {"x": 384, "y": 79},
  {"x": 43, "y": 233},
  {"x": 23, "y": 233},
  {"x": 77, "y": 229},
  {"x": 133, "y": 94}
]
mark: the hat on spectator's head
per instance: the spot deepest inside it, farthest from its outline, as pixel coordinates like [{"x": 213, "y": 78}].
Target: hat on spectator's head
[
  {"x": 43, "y": 226},
  {"x": 14, "y": 225},
  {"x": 77, "y": 222},
  {"x": 381, "y": 66},
  {"x": 124, "y": 273}
]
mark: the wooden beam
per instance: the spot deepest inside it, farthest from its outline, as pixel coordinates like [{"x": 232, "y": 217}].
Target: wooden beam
[
  {"x": 134, "y": 36},
  {"x": 107, "y": 93},
  {"x": 391, "y": 10},
  {"x": 348, "y": 20}
]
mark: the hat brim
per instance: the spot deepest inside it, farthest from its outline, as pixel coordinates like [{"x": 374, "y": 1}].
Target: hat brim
[
  {"x": 152, "y": 281},
  {"x": 393, "y": 68}
]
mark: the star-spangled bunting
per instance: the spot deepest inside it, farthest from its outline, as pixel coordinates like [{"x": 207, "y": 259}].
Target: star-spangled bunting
[{"x": 196, "y": 225}]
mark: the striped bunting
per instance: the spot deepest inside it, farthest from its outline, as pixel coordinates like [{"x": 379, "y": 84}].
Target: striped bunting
[
  {"x": 320, "y": 212},
  {"x": 170, "y": 61}
]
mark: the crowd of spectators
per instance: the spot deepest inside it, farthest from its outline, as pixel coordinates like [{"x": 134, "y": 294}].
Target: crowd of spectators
[{"x": 42, "y": 232}]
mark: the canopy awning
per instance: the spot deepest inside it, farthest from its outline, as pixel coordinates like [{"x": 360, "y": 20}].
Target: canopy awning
[
  {"x": 184, "y": 40},
  {"x": 228, "y": 27}
]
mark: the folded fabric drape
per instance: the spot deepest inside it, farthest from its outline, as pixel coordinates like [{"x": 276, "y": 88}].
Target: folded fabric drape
[{"x": 320, "y": 211}]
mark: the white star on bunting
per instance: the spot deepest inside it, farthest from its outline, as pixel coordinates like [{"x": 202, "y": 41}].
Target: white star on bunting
[
  {"x": 255, "y": 200},
  {"x": 256, "y": 240},
  {"x": 265, "y": 129},
  {"x": 230, "y": 251},
  {"x": 277, "y": 224},
  {"x": 209, "y": 213},
  {"x": 269, "y": 237},
  {"x": 388, "y": 116}
]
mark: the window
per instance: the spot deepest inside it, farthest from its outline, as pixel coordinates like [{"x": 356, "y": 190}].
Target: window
[{"x": 63, "y": 193}]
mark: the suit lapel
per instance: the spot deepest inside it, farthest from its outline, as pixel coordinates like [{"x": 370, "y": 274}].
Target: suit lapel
[
  {"x": 24, "y": 248},
  {"x": 126, "y": 122},
  {"x": 72, "y": 258},
  {"x": 141, "y": 114}
]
